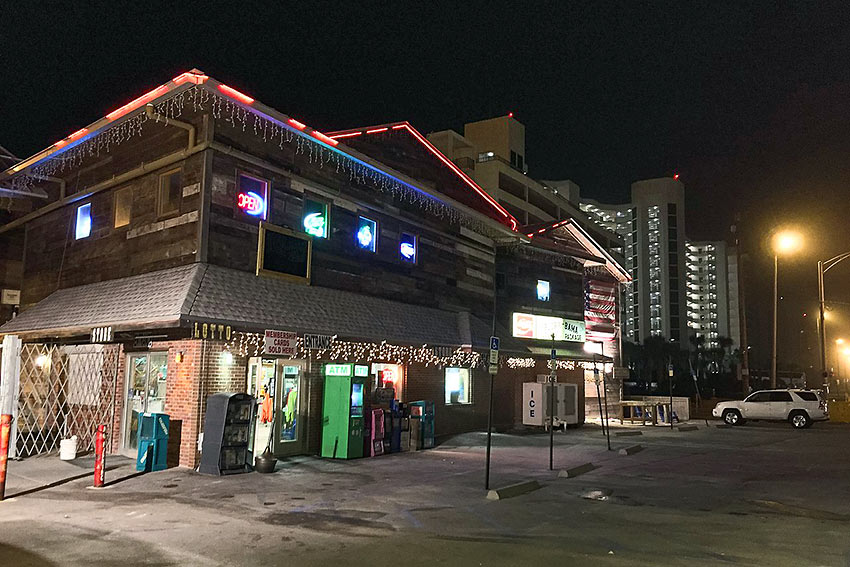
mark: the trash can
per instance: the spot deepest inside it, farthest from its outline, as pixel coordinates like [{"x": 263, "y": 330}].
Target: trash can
[{"x": 153, "y": 442}]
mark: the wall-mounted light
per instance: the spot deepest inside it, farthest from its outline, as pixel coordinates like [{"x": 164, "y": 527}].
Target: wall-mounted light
[
  {"x": 227, "y": 357},
  {"x": 178, "y": 358}
]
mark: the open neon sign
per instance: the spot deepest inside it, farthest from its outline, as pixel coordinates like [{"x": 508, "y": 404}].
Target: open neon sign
[{"x": 251, "y": 203}]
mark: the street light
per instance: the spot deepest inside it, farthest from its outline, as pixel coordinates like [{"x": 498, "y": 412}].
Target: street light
[
  {"x": 823, "y": 267},
  {"x": 784, "y": 242}
]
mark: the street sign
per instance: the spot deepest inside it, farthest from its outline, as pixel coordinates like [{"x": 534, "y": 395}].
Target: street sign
[
  {"x": 312, "y": 342},
  {"x": 284, "y": 343},
  {"x": 553, "y": 354},
  {"x": 494, "y": 369},
  {"x": 494, "y": 351}
]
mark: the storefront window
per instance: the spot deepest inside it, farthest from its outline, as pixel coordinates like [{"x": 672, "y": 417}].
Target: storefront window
[
  {"x": 389, "y": 376},
  {"x": 458, "y": 386}
]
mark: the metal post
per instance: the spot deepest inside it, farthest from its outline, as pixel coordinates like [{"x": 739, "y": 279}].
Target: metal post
[
  {"x": 670, "y": 378},
  {"x": 822, "y": 324},
  {"x": 490, "y": 409},
  {"x": 552, "y": 377},
  {"x": 5, "y": 430},
  {"x": 775, "y": 313},
  {"x": 598, "y": 395},
  {"x": 605, "y": 395},
  {"x": 489, "y": 433},
  {"x": 99, "y": 464}
]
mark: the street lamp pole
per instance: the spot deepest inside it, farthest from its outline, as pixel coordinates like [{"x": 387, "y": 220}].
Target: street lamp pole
[
  {"x": 775, "y": 313},
  {"x": 823, "y": 267}
]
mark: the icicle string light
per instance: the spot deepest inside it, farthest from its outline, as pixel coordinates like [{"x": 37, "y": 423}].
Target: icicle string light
[
  {"x": 251, "y": 344},
  {"x": 199, "y": 99}
]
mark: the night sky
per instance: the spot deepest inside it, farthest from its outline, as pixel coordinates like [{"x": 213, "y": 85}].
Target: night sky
[{"x": 751, "y": 106}]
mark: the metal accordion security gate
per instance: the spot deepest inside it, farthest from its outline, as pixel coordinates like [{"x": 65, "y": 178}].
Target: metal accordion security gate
[{"x": 64, "y": 390}]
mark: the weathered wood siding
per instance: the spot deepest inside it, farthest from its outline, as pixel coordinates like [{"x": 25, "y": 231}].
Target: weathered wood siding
[
  {"x": 454, "y": 268},
  {"x": 54, "y": 259}
]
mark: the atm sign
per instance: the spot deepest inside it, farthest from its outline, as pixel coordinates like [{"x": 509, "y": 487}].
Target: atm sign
[{"x": 337, "y": 370}]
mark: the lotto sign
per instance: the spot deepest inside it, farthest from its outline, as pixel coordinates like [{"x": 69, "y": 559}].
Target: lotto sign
[{"x": 282, "y": 343}]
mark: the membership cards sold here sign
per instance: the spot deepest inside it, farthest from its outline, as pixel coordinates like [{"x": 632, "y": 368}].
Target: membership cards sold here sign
[{"x": 282, "y": 343}]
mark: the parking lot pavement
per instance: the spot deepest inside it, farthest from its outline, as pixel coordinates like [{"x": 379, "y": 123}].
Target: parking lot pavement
[{"x": 762, "y": 494}]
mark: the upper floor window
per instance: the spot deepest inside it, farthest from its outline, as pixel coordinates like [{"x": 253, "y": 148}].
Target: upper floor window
[
  {"x": 543, "y": 290},
  {"x": 315, "y": 219},
  {"x": 367, "y": 234},
  {"x": 82, "y": 225},
  {"x": 123, "y": 207},
  {"x": 170, "y": 193},
  {"x": 407, "y": 247},
  {"x": 252, "y": 196}
]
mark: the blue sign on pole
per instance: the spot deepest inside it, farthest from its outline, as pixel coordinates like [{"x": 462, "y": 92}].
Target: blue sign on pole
[
  {"x": 553, "y": 354},
  {"x": 494, "y": 343}
]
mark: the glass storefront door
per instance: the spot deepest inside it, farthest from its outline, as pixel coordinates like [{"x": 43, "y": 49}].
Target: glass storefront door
[
  {"x": 147, "y": 375},
  {"x": 277, "y": 385}
]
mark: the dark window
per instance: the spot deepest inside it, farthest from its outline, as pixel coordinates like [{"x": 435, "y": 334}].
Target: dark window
[
  {"x": 673, "y": 258},
  {"x": 170, "y": 193},
  {"x": 671, "y": 209},
  {"x": 634, "y": 238},
  {"x": 759, "y": 397},
  {"x": 519, "y": 162},
  {"x": 674, "y": 310},
  {"x": 513, "y": 158},
  {"x": 808, "y": 396},
  {"x": 780, "y": 396},
  {"x": 284, "y": 252},
  {"x": 672, "y": 234},
  {"x": 674, "y": 271}
]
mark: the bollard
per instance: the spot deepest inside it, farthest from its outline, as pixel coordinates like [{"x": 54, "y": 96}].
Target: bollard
[
  {"x": 5, "y": 431},
  {"x": 99, "y": 465}
]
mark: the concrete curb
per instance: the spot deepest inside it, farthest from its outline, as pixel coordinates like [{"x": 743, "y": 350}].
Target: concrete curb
[
  {"x": 631, "y": 450},
  {"x": 576, "y": 471},
  {"x": 627, "y": 433},
  {"x": 687, "y": 428},
  {"x": 513, "y": 490}
]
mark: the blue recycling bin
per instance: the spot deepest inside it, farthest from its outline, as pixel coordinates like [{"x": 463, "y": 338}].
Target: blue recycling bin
[{"x": 153, "y": 442}]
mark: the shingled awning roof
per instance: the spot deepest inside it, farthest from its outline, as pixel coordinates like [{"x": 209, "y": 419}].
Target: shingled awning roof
[{"x": 202, "y": 292}]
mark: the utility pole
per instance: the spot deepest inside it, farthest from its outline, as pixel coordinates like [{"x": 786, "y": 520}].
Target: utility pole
[{"x": 775, "y": 314}]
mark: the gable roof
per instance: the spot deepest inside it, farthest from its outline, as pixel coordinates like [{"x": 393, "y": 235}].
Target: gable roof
[
  {"x": 196, "y": 79},
  {"x": 547, "y": 234},
  {"x": 395, "y": 143}
]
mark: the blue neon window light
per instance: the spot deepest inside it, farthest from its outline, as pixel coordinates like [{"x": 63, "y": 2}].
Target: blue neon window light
[
  {"x": 82, "y": 228},
  {"x": 407, "y": 247},
  {"x": 367, "y": 234},
  {"x": 543, "y": 290}
]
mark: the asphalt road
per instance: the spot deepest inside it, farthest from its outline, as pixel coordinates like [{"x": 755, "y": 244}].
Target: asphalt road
[{"x": 761, "y": 494}]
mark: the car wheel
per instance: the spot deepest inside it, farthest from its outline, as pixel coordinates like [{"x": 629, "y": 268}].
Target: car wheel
[
  {"x": 799, "y": 419},
  {"x": 732, "y": 417}
]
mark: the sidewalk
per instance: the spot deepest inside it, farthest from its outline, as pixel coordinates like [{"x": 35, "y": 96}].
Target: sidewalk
[{"x": 43, "y": 471}]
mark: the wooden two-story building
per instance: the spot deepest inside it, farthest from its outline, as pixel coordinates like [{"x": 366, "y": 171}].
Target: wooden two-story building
[{"x": 180, "y": 227}]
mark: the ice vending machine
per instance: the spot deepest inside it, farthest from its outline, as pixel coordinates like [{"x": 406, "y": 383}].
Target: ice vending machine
[{"x": 342, "y": 411}]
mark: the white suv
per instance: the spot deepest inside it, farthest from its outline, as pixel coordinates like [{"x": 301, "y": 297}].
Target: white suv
[{"x": 800, "y": 407}]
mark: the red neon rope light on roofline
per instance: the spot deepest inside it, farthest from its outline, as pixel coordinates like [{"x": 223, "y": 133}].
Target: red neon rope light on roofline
[
  {"x": 376, "y": 130},
  {"x": 349, "y": 135},
  {"x": 233, "y": 93},
  {"x": 300, "y": 125},
  {"x": 462, "y": 175},
  {"x": 191, "y": 77},
  {"x": 144, "y": 99},
  {"x": 324, "y": 138}
]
